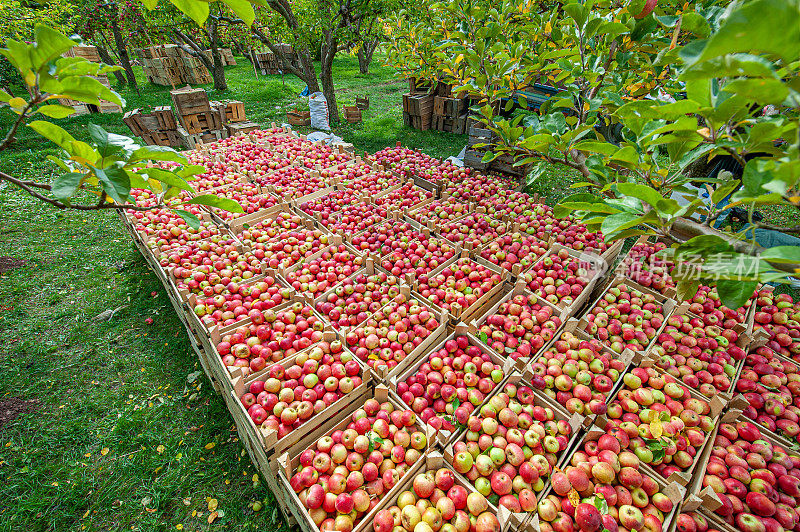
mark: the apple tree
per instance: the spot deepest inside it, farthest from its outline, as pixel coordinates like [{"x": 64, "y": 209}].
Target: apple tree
[{"x": 679, "y": 83}]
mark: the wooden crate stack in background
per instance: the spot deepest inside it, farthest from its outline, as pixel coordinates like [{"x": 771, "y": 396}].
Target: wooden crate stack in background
[
  {"x": 418, "y": 104},
  {"x": 196, "y": 115},
  {"x": 268, "y": 63},
  {"x": 90, "y": 53},
  {"x": 504, "y": 164},
  {"x": 227, "y": 56},
  {"x": 168, "y": 64},
  {"x": 157, "y": 128}
]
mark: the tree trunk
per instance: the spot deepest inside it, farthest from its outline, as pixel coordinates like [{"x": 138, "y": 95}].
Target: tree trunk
[
  {"x": 363, "y": 62},
  {"x": 107, "y": 59},
  {"x": 122, "y": 49},
  {"x": 328, "y": 52},
  {"x": 365, "y": 53},
  {"x": 218, "y": 69}
]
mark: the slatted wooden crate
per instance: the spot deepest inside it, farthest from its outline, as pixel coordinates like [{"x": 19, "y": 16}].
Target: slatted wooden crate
[
  {"x": 449, "y": 107},
  {"x": 299, "y": 118},
  {"x": 418, "y": 104},
  {"x": 187, "y": 101},
  {"x": 234, "y": 111},
  {"x": 420, "y": 85},
  {"x": 166, "y": 120},
  {"x": 191, "y": 141},
  {"x": 238, "y": 128},
  {"x": 352, "y": 114},
  {"x": 450, "y": 125}
]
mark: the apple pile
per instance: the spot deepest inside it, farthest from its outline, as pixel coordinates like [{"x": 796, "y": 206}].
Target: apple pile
[
  {"x": 227, "y": 304},
  {"x": 162, "y": 228},
  {"x": 458, "y": 372},
  {"x": 371, "y": 183},
  {"x": 343, "y": 477},
  {"x": 758, "y": 482},
  {"x": 643, "y": 266},
  {"x": 780, "y": 317},
  {"x": 510, "y": 448},
  {"x": 289, "y": 247},
  {"x": 511, "y": 203},
  {"x": 464, "y": 282},
  {"x": 575, "y": 235},
  {"x": 219, "y": 174},
  {"x": 440, "y": 211},
  {"x": 703, "y": 356},
  {"x": 707, "y": 304},
  {"x": 248, "y": 195},
  {"x": 577, "y": 373},
  {"x": 304, "y": 153},
  {"x": 771, "y": 386},
  {"x": 270, "y": 336},
  {"x": 479, "y": 187},
  {"x": 559, "y": 278},
  {"x": 390, "y": 334},
  {"x": 420, "y": 257},
  {"x": 403, "y": 198},
  {"x": 283, "y": 398},
  {"x": 693, "y": 522},
  {"x": 213, "y": 264},
  {"x": 147, "y": 198},
  {"x": 410, "y": 163},
  {"x": 520, "y": 327},
  {"x": 625, "y": 318},
  {"x": 333, "y": 265},
  {"x": 386, "y": 237},
  {"x": 514, "y": 248},
  {"x": 353, "y": 300},
  {"x": 197, "y": 252},
  {"x": 604, "y": 469},
  {"x": 293, "y": 182},
  {"x": 652, "y": 406},
  {"x": 473, "y": 230},
  {"x": 435, "y": 503}
]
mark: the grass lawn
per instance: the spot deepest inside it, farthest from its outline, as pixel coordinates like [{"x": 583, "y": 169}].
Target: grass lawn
[{"x": 109, "y": 424}]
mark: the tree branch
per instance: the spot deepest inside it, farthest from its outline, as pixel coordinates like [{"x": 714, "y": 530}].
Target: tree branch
[
  {"x": 28, "y": 186},
  {"x": 9, "y": 139}
]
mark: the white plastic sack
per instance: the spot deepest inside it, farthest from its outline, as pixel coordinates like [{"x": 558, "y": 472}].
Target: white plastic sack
[
  {"x": 318, "y": 106},
  {"x": 327, "y": 138}
]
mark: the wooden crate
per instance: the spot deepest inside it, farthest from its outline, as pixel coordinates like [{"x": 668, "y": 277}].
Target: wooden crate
[
  {"x": 188, "y": 101},
  {"x": 239, "y": 128},
  {"x": 362, "y": 102},
  {"x": 422, "y": 123},
  {"x": 418, "y": 104},
  {"x": 85, "y": 51},
  {"x": 193, "y": 140},
  {"x": 200, "y": 122},
  {"x": 299, "y": 118},
  {"x": 450, "y": 125},
  {"x": 420, "y": 85},
  {"x": 234, "y": 111},
  {"x": 352, "y": 114},
  {"x": 449, "y": 107},
  {"x": 474, "y": 159},
  {"x": 166, "y": 120}
]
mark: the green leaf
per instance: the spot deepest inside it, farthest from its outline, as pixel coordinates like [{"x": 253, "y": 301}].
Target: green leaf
[
  {"x": 619, "y": 222},
  {"x": 50, "y": 45},
  {"x": 210, "y": 200},
  {"x": 149, "y": 4},
  {"x": 109, "y": 144},
  {"x": 64, "y": 186},
  {"x": 769, "y": 26},
  {"x": 699, "y": 90},
  {"x": 4, "y": 96},
  {"x": 782, "y": 254},
  {"x": 577, "y": 12},
  {"x": 190, "y": 170},
  {"x": 194, "y": 9},
  {"x": 192, "y": 221},
  {"x": 115, "y": 182},
  {"x": 695, "y": 23},
  {"x": 626, "y": 155},
  {"x": 686, "y": 287},
  {"x": 593, "y": 146},
  {"x": 55, "y": 111},
  {"x": 735, "y": 293},
  {"x": 157, "y": 153},
  {"x": 53, "y": 133},
  {"x": 731, "y": 66},
  {"x": 243, "y": 8},
  {"x": 641, "y": 192},
  {"x": 763, "y": 91},
  {"x": 483, "y": 336},
  {"x": 168, "y": 178}
]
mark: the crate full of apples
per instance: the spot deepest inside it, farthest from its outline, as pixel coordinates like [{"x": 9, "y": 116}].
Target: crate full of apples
[
  {"x": 704, "y": 354},
  {"x": 462, "y": 287},
  {"x": 514, "y": 251},
  {"x": 669, "y": 423},
  {"x": 519, "y": 325},
  {"x": 511, "y": 446},
  {"x": 749, "y": 481},
  {"x": 602, "y": 487},
  {"x": 771, "y": 386},
  {"x": 625, "y": 317},
  {"x": 447, "y": 384},
  {"x": 324, "y": 269},
  {"x": 578, "y": 372},
  {"x": 779, "y": 315},
  {"x": 338, "y": 477},
  {"x": 435, "y": 498},
  {"x": 564, "y": 277},
  {"x": 285, "y": 401}
]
